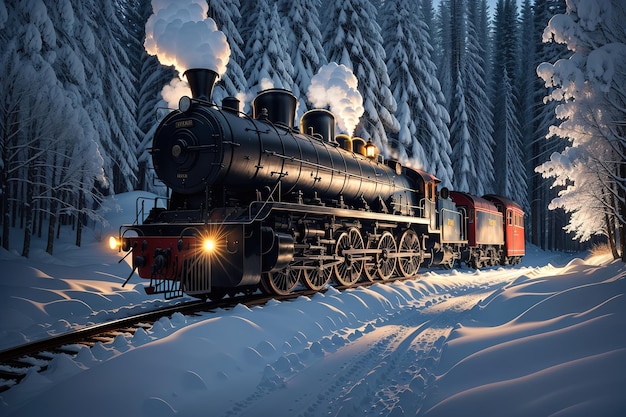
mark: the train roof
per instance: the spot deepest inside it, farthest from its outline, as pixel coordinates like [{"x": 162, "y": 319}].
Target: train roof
[
  {"x": 472, "y": 201},
  {"x": 426, "y": 176},
  {"x": 506, "y": 202}
]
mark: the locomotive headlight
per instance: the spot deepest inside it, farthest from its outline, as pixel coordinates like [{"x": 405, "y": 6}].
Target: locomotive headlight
[
  {"x": 208, "y": 245},
  {"x": 118, "y": 244},
  {"x": 184, "y": 103},
  {"x": 114, "y": 243}
]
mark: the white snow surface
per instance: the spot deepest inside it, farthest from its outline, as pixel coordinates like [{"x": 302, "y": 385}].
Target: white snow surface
[{"x": 542, "y": 339}]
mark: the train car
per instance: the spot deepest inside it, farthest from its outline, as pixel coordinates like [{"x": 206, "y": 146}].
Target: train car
[
  {"x": 483, "y": 224},
  {"x": 452, "y": 231},
  {"x": 514, "y": 243}
]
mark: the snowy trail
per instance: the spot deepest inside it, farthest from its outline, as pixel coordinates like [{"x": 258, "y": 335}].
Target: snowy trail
[
  {"x": 383, "y": 369},
  {"x": 461, "y": 340}
]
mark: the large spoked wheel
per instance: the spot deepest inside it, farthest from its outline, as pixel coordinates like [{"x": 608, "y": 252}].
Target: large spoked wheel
[
  {"x": 370, "y": 269},
  {"x": 409, "y": 248},
  {"x": 385, "y": 259},
  {"x": 281, "y": 282},
  {"x": 316, "y": 278},
  {"x": 349, "y": 270}
]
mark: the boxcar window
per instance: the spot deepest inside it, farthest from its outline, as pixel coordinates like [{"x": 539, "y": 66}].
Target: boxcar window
[{"x": 509, "y": 217}]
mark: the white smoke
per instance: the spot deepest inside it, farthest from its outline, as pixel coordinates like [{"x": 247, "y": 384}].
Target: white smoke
[
  {"x": 179, "y": 33},
  {"x": 266, "y": 83},
  {"x": 335, "y": 86},
  {"x": 173, "y": 91}
]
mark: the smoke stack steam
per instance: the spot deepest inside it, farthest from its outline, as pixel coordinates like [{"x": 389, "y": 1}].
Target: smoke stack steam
[
  {"x": 335, "y": 86},
  {"x": 180, "y": 34}
]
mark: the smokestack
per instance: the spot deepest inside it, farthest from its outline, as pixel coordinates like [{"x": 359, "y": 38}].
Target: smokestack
[{"x": 201, "y": 82}]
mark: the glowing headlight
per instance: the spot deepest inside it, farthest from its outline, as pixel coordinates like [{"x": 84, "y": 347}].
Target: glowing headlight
[
  {"x": 208, "y": 245},
  {"x": 114, "y": 243}
]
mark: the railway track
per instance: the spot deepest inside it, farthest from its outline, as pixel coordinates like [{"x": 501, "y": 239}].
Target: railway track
[{"x": 17, "y": 362}]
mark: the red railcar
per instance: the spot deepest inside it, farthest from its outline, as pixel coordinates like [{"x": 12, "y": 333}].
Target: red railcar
[
  {"x": 494, "y": 228},
  {"x": 514, "y": 245}
]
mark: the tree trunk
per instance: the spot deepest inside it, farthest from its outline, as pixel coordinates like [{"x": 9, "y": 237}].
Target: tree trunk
[
  {"x": 79, "y": 219},
  {"x": 622, "y": 241},
  {"x": 6, "y": 219},
  {"x": 51, "y": 226},
  {"x": 28, "y": 227},
  {"x": 621, "y": 229},
  {"x": 610, "y": 231},
  {"x": 622, "y": 207}
]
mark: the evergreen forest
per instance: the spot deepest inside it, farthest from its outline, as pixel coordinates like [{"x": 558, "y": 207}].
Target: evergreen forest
[{"x": 525, "y": 99}]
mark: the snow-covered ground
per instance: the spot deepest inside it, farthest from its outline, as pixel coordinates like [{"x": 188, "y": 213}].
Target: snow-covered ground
[{"x": 544, "y": 338}]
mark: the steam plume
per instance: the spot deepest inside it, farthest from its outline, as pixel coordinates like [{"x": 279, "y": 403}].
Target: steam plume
[
  {"x": 335, "y": 86},
  {"x": 180, "y": 34}
]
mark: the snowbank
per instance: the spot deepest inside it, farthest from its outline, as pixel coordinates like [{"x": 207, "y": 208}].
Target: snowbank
[{"x": 543, "y": 338}]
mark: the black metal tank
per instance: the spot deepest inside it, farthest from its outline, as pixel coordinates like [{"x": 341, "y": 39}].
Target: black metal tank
[{"x": 196, "y": 149}]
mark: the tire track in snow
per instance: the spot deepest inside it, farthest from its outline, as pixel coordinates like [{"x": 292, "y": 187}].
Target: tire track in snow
[
  {"x": 400, "y": 374},
  {"x": 397, "y": 354},
  {"x": 370, "y": 370}
]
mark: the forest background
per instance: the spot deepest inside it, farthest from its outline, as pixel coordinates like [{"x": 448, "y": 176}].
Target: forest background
[{"x": 527, "y": 100}]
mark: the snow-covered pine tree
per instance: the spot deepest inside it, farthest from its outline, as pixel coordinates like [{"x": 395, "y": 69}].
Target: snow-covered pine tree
[
  {"x": 352, "y": 37},
  {"x": 268, "y": 64},
  {"x": 443, "y": 50},
  {"x": 151, "y": 77},
  {"x": 4, "y": 16},
  {"x": 590, "y": 87},
  {"x": 546, "y": 226},
  {"x": 25, "y": 85},
  {"x": 423, "y": 140},
  {"x": 304, "y": 41},
  {"x": 42, "y": 119},
  {"x": 428, "y": 17},
  {"x": 462, "y": 161},
  {"x": 478, "y": 104},
  {"x": 505, "y": 123},
  {"x": 526, "y": 76},
  {"x": 226, "y": 15},
  {"x": 77, "y": 161},
  {"x": 527, "y": 84},
  {"x": 119, "y": 137},
  {"x": 398, "y": 25},
  {"x": 515, "y": 186}
]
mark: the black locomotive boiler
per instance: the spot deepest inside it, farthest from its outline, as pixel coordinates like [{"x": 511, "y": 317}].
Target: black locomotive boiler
[{"x": 256, "y": 202}]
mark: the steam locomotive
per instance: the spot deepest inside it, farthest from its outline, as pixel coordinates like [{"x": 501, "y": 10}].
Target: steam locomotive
[{"x": 257, "y": 203}]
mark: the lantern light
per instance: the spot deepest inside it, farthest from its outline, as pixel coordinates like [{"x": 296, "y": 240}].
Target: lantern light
[{"x": 370, "y": 149}]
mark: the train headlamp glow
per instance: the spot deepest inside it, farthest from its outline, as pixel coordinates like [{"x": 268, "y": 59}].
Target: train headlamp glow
[
  {"x": 208, "y": 245},
  {"x": 114, "y": 243}
]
